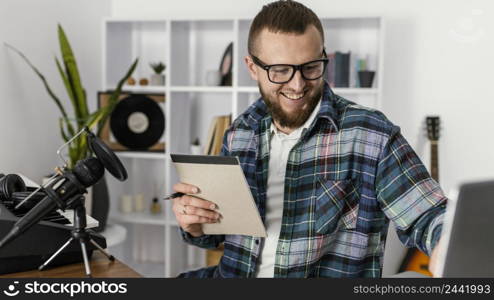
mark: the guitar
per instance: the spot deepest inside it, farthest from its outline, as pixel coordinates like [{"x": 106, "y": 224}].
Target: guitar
[
  {"x": 433, "y": 135},
  {"x": 416, "y": 260}
]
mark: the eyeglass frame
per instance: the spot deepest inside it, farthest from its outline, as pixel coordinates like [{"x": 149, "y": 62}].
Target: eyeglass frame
[{"x": 295, "y": 68}]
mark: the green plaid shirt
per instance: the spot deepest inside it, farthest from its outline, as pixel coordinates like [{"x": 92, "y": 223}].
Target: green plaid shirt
[{"x": 348, "y": 175}]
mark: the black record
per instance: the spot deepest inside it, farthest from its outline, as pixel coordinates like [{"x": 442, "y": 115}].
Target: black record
[{"x": 137, "y": 122}]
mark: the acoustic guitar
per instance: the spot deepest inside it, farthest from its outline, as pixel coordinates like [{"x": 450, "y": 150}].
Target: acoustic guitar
[{"x": 415, "y": 260}]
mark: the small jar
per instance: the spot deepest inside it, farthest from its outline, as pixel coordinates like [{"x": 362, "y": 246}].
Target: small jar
[
  {"x": 139, "y": 203},
  {"x": 126, "y": 204},
  {"x": 155, "y": 206}
]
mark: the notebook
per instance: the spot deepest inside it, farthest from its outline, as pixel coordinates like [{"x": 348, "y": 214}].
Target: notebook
[{"x": 222, "y": 181}]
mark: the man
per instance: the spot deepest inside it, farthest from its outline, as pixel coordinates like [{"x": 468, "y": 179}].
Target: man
[{"x": 327, "y": 175}]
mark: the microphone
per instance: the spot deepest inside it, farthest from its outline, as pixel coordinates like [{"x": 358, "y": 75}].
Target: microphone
[{"x": 59, "y": 193}]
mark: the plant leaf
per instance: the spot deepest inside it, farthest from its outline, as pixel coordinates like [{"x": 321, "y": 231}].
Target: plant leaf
[
  {"x": 73, "y": 75},
  {"x": 82, "y": 144},
  {"x": 68, "y": 87},
  {"x": 62, "y": 130},
  {"x": 94, "y": 118},
  {"x": 112, "y": 101},
  {"x": 45, "y": 83},
  {"x": 73, "y": 151}
]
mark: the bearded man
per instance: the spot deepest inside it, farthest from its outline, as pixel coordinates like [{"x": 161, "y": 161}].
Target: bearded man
[{"x": 327, "y": 175}]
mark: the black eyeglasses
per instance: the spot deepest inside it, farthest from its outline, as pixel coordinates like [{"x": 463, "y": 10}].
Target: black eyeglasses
[{"x": 283, "y": 73}]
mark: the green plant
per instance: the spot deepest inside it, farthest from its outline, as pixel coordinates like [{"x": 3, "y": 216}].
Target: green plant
[
  {"x": 158, "y": 67},
  {"x": 71, "y": 125}
]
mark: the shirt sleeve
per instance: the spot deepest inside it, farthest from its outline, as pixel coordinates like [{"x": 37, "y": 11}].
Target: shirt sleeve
[
  {"x": 408, "y": 195},
  {"x": 207, "y": 241},
  {"x": 204, "y": 241}
]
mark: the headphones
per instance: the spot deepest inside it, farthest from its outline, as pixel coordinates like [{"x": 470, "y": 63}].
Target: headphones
[{"x": 10, "y": 184}]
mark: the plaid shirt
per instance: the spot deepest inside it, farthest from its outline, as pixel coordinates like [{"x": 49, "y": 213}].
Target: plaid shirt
[{"x": 349, "y": 174}]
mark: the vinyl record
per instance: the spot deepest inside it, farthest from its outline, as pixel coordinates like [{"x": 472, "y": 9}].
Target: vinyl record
[{"x": 137, "y": 122}]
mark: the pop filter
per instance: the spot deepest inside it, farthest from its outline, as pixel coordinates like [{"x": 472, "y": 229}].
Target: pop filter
[{"x": 107, "y": 157}]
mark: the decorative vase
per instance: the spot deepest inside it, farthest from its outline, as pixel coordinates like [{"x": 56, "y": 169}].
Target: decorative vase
[
  {"x": 157, "y": 79},
  {"x": 366, "y": 78},
  {"x": 195, "y": 149},
  {"x": 213, "y": 78}
]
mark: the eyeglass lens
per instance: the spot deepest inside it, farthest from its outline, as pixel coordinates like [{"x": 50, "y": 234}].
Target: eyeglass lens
[{"x": 283, "y": 73}]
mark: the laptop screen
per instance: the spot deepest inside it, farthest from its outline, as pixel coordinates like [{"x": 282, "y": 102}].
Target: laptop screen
[{"x": 468, "y": 232}]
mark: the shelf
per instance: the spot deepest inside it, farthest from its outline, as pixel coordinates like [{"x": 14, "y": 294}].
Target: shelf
[
  {"x": 124, "y": 41},
  {"x": 228, "y": 89},
  {"x": 147, "y": 89},
  {"x": 210, "y": 89},
  {"x": 205, "y": 89},
  {"x": 353, "y": 91},
  {"x": 248, "y": 89},
  {"x": 143, "y": 155},
  {"x": 142, "y": 218}
]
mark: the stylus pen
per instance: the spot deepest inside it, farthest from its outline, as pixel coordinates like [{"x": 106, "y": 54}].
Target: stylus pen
[{"x": 174, "y": 195}]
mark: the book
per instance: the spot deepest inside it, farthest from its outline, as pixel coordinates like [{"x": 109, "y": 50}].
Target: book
[
  {"x": 218, "y": 139},
  {"x": 210, "y": 138},
  {"x": 330, "y": 69},
  {"x": 342, "y": 69},
  {"x": 219, "y": 126}
]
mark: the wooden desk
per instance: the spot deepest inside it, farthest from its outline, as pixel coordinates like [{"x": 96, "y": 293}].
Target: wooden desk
[{"x": 101, "y": 267}]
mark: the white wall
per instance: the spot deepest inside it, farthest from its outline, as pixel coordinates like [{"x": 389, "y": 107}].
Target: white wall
[{"x": 29, "y": 131}]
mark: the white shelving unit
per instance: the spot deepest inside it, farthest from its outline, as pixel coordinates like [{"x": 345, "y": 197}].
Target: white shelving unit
[{"x": 191, "y": 48}]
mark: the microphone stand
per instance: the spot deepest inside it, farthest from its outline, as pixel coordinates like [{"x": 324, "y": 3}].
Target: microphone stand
[{"x": 79, "y": 234}]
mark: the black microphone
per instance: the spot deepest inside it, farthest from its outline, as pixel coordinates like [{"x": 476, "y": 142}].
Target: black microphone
[{"x": 63, "y": 188}]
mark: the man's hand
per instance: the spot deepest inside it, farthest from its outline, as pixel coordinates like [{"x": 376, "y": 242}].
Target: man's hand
[
  {"x": 191, "y": 212},
  {"x": 436, "y": 255}
]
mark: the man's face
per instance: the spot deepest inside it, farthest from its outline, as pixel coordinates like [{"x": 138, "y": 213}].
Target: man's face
[{"x": 290, "y": 103}]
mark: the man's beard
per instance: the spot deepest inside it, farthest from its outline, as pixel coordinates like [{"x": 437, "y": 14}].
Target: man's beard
[{"x": 296, "y": 119}]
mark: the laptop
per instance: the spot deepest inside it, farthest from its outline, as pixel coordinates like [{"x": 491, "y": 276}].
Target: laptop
[{"x": 468, "y": 230}]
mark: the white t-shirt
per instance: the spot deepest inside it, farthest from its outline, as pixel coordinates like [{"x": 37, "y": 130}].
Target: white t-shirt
[{"x": 280, "y": 147}]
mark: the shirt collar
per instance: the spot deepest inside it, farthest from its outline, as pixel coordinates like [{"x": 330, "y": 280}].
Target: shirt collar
[
  {"x": 298, "y": 132},
  {"x": 258, "y": 113}
]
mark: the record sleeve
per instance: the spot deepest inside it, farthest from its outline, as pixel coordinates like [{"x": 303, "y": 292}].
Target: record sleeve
[{"x": 137, "y": 122}]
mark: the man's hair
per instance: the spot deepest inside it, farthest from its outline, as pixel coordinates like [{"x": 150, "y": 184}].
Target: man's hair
[{"x": 285, "y": 16}]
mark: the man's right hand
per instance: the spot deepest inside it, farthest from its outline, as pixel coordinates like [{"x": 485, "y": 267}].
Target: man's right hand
[{"x": 191, "y": 212}]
